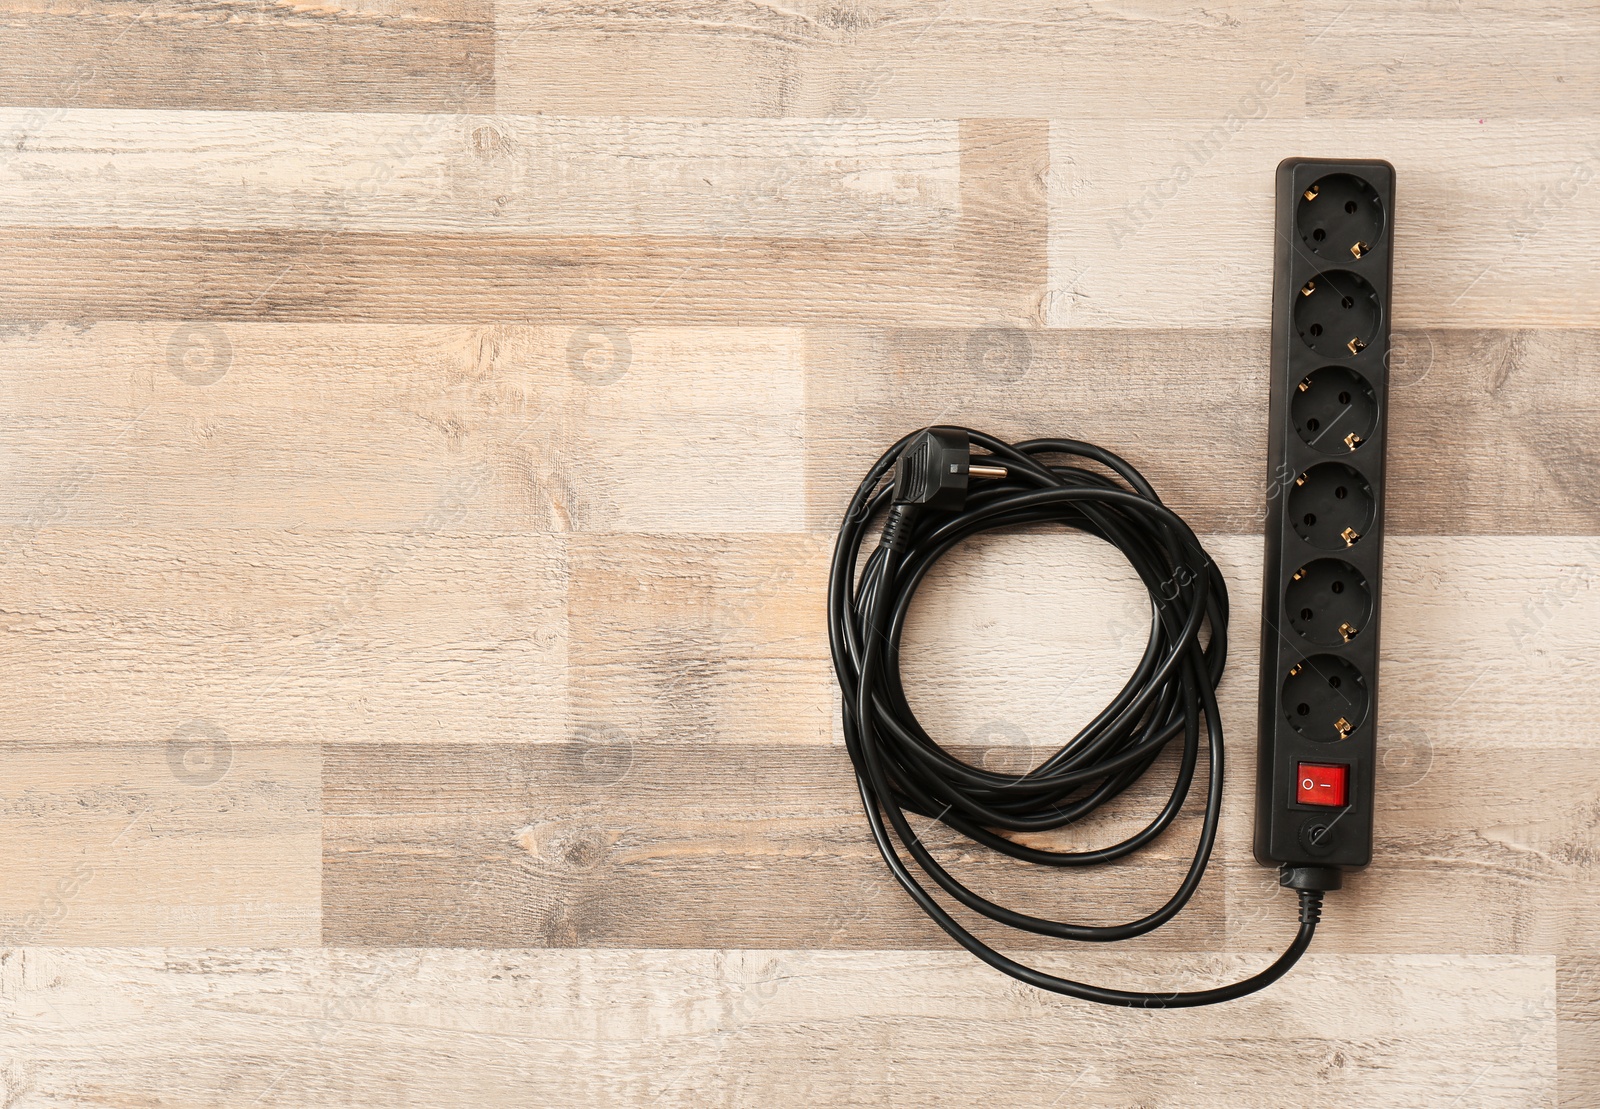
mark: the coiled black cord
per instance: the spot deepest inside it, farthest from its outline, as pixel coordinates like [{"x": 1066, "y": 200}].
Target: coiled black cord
[{"x": 900, "y": 768}]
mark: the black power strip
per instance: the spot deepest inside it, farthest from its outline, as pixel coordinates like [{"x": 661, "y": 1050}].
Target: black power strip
[
  {"x": 1332, "y": 286},
  {"x": 1319, "y": 662}
]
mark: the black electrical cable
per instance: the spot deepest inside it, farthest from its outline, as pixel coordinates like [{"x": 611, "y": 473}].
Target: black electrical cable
[{"x": 928, "y": 508}]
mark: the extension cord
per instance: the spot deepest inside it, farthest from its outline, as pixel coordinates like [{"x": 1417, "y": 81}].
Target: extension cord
[{"x": 938, "y": 496}]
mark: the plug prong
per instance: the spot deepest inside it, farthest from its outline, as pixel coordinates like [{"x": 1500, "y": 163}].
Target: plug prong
[{"x": 976, "y": 470}]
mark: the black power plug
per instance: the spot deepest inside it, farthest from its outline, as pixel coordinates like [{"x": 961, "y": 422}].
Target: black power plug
[
  {"x": 935, "y": 467},
  {"x": 932, "y": 471}
]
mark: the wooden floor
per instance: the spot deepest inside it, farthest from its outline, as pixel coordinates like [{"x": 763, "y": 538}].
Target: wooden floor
[{"x": 422, "y": 427}]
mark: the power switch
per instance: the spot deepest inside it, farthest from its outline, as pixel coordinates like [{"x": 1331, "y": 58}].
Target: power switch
[{"x": 1321, "y": 784}]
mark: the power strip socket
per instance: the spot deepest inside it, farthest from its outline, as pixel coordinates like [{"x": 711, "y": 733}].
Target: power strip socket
[{"x": 1332, "y": 289}]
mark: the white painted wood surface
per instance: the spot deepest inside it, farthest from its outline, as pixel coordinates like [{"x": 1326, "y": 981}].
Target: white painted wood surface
[
  {"x": 692, "y": 1028},
  {"x": 477, "y": 174},
  {"x": 422, "y": 427},
  {"x": 1495, "y": 215}
]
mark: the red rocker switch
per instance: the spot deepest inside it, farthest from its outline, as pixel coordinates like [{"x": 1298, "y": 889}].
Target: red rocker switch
[{"x": 1320, "y": 784}]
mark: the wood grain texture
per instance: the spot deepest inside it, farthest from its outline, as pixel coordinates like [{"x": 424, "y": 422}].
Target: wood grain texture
[
  {"x": 605, "y": 427},
  {"x": 423, "y": 424},
  {"x": 241, "y": 1028},
  {"x": 715, "y": 638},
  {"x": 695, "y": 638},
  {"x": 307, "y": 276},
  {"x": 201, "y": 838},
  {"x": 1578, "y": 1030},
  {"x": 1497, "y": 219},
  {"x": 680, "y": 430},
  {"x": 710, "y": 262},
  {"x": 663, "y": 652},
  {"x": 202, "y": 425},
  {"x": 370, "y": 55},
  {"x": 285, "y": 637},
  {"x": 901, "y": 59},
  {"x": 605, "y": 842},
  {"x": 587, "y": 427},
  {"x": 483, "y": 175},
  {"x": 1466, "y": 58}
]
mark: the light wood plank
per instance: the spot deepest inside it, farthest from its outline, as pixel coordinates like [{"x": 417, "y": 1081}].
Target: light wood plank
[
  {"x": 902, "y": 59},
  {"x": 196, "y": 424},
  {"x": 365, "y": 55},
  {"x": 203, "y": 838},
  {"x": 1469, "y": 58},
  {"x": 1163, "y": 398},
  {"x": 680, "y": 429},
  {"x": 73, "y": 275},
  {"x": 1472, "y": 624},
  {"x": 697, "y": 638},
  {"x": 1005, "y": 215},
  {"x": 494, "y": 175},
  {"x": 730, "y": 627},
  {"x": 564, "y": 845},
  {"x": 285, "y": 637},
  {"x": 1170, "y": 224},
  {"x": 605, "y": 427},
  {"x": 587, "y": 426},
  {"x": 692, "y": 1028},
  {"x": 1578, "y": 1030}
]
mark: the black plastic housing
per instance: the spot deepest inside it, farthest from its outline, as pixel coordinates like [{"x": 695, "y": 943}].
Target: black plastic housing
[
  {"x": 933, "y": 469},
  {"x": 1332, "y": 297}
]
